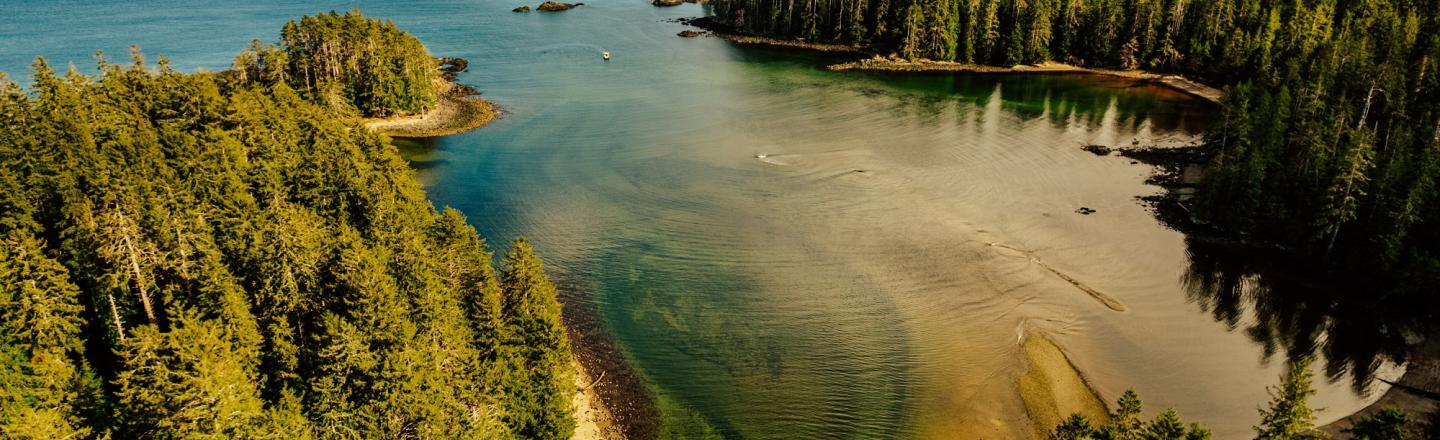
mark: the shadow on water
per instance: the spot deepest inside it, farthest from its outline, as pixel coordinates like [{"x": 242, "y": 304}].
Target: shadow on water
[
  {"x": 423, "y": 154},
  {"x": 1062, "y": 98},
  {"x": 1292, "y": 313}
]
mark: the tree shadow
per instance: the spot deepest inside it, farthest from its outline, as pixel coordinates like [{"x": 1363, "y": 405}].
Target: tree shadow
[{"x": 1292, "y": 313}]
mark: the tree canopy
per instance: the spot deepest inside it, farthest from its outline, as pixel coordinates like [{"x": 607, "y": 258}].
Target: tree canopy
[
  {"x": 191, "y": 255},
  {"x": 350, "y": 62}
]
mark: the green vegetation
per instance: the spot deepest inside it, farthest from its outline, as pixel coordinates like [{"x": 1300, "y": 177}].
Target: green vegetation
[
  {"x": 1329, "y": 140},
  {"x": 209, "y": 255},
  {"x": 1212, "y": 38},
  {"x": 1334, "y": 150},
  {"x": 1288, "y": 417},
  {"x": 1388, "y": 424},
  {"x": 1125, "y": 423},
  {"x": 349, "y": 62}
]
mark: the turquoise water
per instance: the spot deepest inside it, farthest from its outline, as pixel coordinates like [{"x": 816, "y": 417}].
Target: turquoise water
[{"x": 787, "y": 252}]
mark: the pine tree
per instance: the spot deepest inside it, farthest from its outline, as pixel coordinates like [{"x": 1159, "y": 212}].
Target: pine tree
[
  {"x": 187, "y": 383},
  {"x": 1075, "y": 427},
  {"x": 44, "y": 388},
  {"x": 1289, "y": 417},
  {"x": 540, "y": 370},
  {"x": 1166, "y": 426},
  {"x": 1389, "y": 424},
  {"x": 1125, "y": 422}
]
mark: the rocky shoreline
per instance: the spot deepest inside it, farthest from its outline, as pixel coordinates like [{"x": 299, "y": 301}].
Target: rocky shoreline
[
  {"x": 592, "y": 417},
  {"x": 612, "y": 384},
  {"x": 457, "y": 110},
  {"x": 611, "y": 401}
]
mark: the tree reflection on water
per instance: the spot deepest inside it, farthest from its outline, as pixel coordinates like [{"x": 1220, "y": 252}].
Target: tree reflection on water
[{"x": 1354, "y": 330}]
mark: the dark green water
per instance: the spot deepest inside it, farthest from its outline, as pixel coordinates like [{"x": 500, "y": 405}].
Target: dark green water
[{"x": 869, "y": 277}]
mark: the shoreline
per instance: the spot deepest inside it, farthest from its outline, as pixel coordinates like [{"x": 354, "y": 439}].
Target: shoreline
[
  {"x": 750, "y": 40},
  {"x": 456, "y": 111},
  {"x": 611, "y": 385},
  {"x": 879, "y": 63},
  {"x": 1416, "y": 391},
  {"x": 1177, "y": 82},
  {"x": 593, "y": 420}
]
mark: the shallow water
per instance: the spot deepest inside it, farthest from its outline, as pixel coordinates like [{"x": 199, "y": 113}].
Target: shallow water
[{"x": 787, "y": 252}]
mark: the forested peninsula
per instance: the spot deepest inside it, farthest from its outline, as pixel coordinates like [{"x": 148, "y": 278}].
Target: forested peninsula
[
  {"x": 231, "y": 255},
  {"x": 1328, "y": 139}
]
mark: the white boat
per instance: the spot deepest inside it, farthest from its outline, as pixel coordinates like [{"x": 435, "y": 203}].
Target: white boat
[{"x": 605, "y": 55}]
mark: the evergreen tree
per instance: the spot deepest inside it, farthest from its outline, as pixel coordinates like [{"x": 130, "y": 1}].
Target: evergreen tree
[
  {"x": 188, "y": 382},
  {"x": 45, "y": 389},
  {"x": 348, "y": 61},
  {"x": 1289, "y": 417},
  {"x": 237, "y": 259},
  {"x": 1125, "y": 424},
  {"x": 1166, "y": 426},
  {"x": 1075, "y": 427},
  {"x": 1389, "y": 424},
  {"x": 539, "y": 370}
]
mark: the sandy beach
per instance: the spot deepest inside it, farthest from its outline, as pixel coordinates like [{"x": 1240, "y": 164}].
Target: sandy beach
[{"x": 592, "y": 419}]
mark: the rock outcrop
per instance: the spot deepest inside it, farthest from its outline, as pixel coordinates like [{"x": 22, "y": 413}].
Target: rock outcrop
[
  {"x": 557, "y": 6},
  {"x": 450, "y": 67}
]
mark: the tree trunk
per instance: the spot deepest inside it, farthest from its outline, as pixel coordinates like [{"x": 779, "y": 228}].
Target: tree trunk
[
  {"x": 1365, "y": 112},
  {"x": 140, "y": 282},
  {"x": 127, "y": 240},
  {"x": 115, "y": 313}
]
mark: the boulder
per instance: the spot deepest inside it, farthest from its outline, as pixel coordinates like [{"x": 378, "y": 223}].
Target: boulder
[
  {"x": 453, "y": 64},
  {"x": 450, "y": 67},
  {"x": 690, "y": 34},
  {"x": 521, "y": 8},
  {"x": 557, "y": 6},
  {"x": 667, "y": 2}
]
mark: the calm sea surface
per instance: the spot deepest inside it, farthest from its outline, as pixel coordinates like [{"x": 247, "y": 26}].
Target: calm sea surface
[{"x": 787, "y": 252}]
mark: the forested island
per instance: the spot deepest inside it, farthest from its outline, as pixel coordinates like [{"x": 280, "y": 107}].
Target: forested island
[
  {"x": 1328, "y": 141},
  {"x": 231, "y": 255}
]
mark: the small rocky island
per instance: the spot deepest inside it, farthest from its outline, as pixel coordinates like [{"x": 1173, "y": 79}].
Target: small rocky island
[
  {"x": 557, "y": 6},
  {"x": 521, "y": 8}
]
